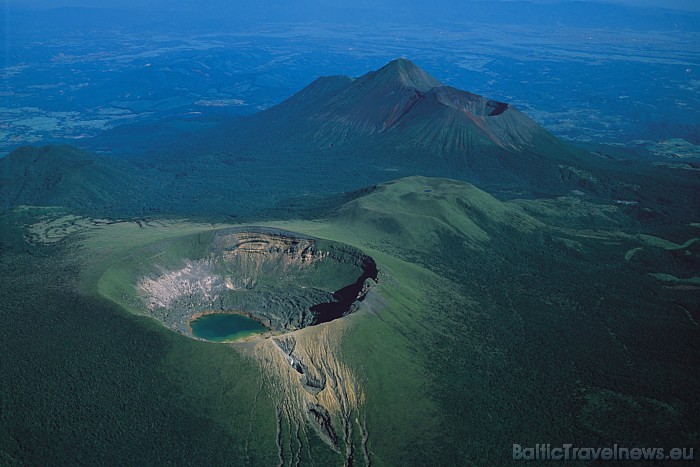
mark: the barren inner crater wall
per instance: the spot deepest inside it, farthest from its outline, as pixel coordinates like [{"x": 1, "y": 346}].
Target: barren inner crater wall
[{"x": 284, "y": 280}]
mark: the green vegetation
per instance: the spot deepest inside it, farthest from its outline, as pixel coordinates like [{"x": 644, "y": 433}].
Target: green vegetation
[
  {"x": 565, "y": 318},
  {"x": 512, "y": 339},
  {"x": 83, "y": 382},
  {"x": 489, "y": 326}
]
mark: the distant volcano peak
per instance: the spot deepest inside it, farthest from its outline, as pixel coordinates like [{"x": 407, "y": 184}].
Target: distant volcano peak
[
  {"x": 404, "y": 73},
  {"x": 405, "y": 109}
]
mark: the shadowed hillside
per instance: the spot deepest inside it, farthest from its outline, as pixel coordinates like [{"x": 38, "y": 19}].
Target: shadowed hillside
[{"x": 66, "y": 176}]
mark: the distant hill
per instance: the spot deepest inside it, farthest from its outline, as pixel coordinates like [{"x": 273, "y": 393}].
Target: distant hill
[
  {"x": 399, "y": 118},
  {"x": 66, "y": 176},
  {"x": 417, "y": 211}
]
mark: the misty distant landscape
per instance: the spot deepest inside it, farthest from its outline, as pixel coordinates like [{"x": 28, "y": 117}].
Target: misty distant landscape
[{"x": 309, "y": 233}]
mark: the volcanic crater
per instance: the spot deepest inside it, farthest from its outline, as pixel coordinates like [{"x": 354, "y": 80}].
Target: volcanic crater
[{"x": 281, "y": 279}]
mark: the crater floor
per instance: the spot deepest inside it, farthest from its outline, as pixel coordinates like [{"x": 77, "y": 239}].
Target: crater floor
[{"x": 281, "y": 279}]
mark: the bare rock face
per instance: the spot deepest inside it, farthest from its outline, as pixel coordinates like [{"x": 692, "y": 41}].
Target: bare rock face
[{"x": 279, "y": 278}]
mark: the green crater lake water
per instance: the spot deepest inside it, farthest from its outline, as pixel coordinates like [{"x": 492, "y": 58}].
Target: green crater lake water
[{"x": 225, "y": 327}]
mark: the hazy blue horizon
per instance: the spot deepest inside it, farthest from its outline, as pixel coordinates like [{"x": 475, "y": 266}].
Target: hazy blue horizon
[{"x": 685, "y": 5}]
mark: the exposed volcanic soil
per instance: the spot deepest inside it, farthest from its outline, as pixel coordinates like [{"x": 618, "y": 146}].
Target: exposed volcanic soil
[{"x": 280, "y": 279}]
